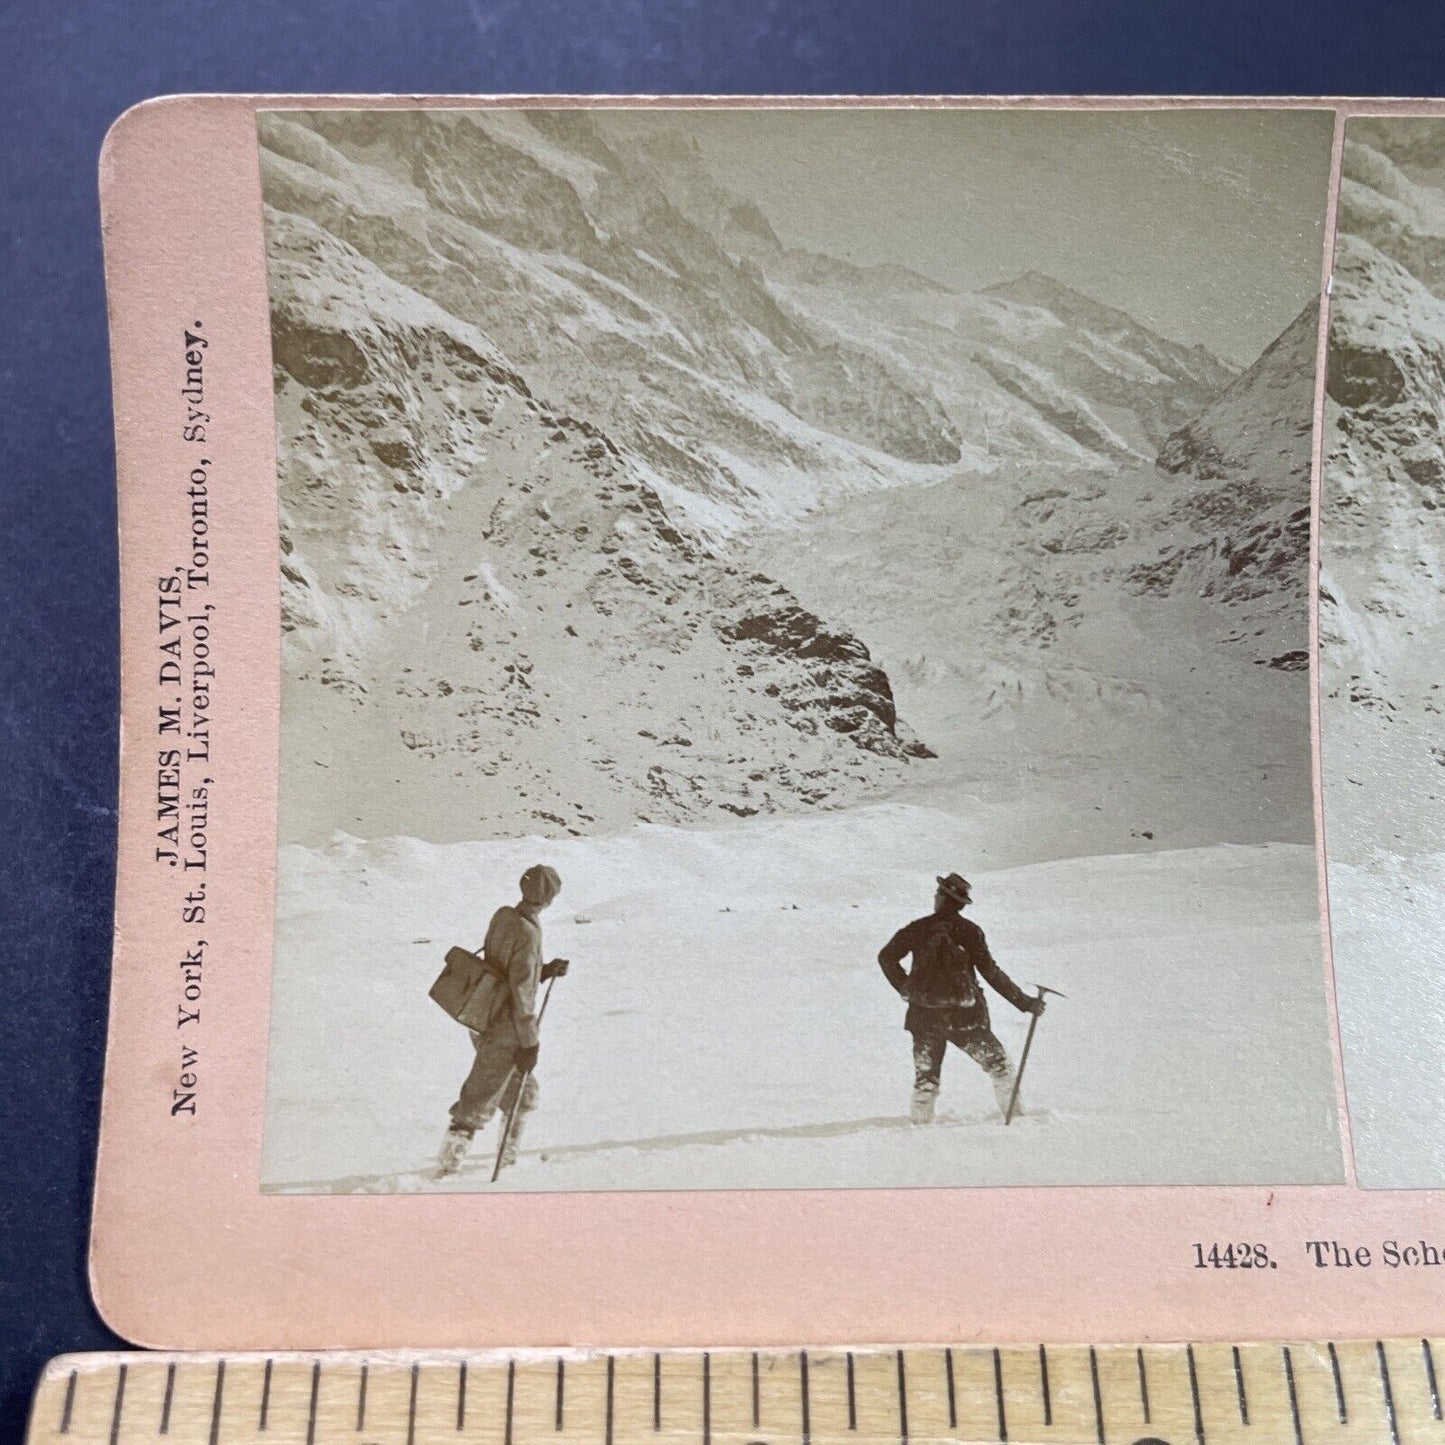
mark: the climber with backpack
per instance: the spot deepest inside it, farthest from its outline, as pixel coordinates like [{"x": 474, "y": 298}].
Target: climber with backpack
[
  {"x": 946, "y": 1004},
  {"x": 494, "y": 994}
]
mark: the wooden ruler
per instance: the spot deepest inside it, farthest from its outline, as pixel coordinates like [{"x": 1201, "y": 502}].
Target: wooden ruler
[{"x": 1209, "y": 1394}]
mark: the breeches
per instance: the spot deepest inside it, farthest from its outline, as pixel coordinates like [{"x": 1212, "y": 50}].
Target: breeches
[
  {"x": 931, "y": 1039},
  {"x": 493, "y": 1081}
]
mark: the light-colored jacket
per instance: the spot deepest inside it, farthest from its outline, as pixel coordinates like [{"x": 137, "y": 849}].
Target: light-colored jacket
[{"x": 514, "y": 942}]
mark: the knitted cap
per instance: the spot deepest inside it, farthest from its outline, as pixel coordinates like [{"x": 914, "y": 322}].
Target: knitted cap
[{"x": 540, "y": 885}]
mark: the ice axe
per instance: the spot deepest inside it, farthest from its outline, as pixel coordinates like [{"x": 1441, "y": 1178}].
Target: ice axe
[
  {"x": 521, "y": 1085},
  {"x": 1013, "y": 1099}
]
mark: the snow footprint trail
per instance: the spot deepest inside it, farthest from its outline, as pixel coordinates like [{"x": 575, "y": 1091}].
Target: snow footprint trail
[
  {"x": 725, "y": 1025},
  {"x": 476, "y": 1173}
]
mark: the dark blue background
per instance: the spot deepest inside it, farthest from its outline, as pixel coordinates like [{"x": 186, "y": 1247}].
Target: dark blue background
[{"x": 69, "y": 71}]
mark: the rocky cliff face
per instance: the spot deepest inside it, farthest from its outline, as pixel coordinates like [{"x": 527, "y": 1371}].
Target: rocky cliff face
[
  {"x": 493, "y": 625},
  {"x": 1244, "y": 502},
  {"x": 1383, "y": 543}
]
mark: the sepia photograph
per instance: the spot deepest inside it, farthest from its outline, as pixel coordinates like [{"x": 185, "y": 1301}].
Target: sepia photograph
[
  {"x": 796, "y": 633},
  {"x": 1382, "y": 638}
]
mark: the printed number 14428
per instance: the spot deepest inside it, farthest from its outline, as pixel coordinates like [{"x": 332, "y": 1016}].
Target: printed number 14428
[{"x": 1232, "y": 1256}]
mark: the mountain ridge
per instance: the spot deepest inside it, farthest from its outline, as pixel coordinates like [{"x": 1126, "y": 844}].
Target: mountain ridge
[{"x": 713, "y": 368}]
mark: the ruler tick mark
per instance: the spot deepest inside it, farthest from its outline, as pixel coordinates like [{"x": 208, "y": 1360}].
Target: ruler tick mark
[
  {"x": 1340, "y": 1406},
  {"x": 1194, "y": 1394},
  {"x": 511, "y": 1396},
  {"x": 1143, "y": 1386},
  {"x": 852, "y": 1397},
  {"x": 902, "y": 1400},
  {"x": 803, "y": 1376},
  {"x": 462, "y": 1396},
  {"x": 1429, "y": 1355},
  {"x": 657, "y": 1392},
  {"x": 561, "y": 1390},
  {"x": 170, "y": 1393},
  {"x": 706, "y": 1398},
  {"x": 1239, "y": 1388},
  {"x": 265, "y": 1398},
  {"x": 69, "y": 1404},
  {"x": 119, "y": 1405},
  {"x": 1293, "y": 1395},
  {"x": 757, "y": 1395},
  {"x": 611, "y": 1381},
  {"x": 998, "y": 1395},
  {"x": 216, "y": 1401},
  {"x": 361, "y": 1400},
  {"x": 1098, "y": 1397},
  {"x": 1044, "y": 1386},
  {"x": 1389, "y": 1393},
  {"x": 410, "y": 1406},
  {"x": 311, "y": 1409},
  {"x": 952, "y": 1393}
]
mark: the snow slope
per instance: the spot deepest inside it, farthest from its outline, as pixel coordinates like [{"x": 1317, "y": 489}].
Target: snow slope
[
  {"x": 1387, "y": 917},
  {"x": 1030, "y": 371},
  {"x": 725, "y": 1023}
]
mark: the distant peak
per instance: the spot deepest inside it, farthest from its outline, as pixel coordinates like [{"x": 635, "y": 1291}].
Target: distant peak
[
  {"x": 1075, "y": 307},
  {"x": 747, "y": 218},
  {"x": 1035, "y": 286},
  {"x": 1038, "y": 288}
]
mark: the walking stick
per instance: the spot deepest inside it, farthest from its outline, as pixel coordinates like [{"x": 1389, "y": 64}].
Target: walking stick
[
  {"x": 517, "y": 1102},
  {"x": 1013, "y": 1101}
]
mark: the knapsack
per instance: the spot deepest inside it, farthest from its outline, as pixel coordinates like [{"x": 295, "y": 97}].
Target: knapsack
[
  {"x": 947, "y": 972},
  {"x": 470, "y": 988}
]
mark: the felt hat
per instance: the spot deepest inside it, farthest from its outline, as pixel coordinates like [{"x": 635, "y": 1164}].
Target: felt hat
[{"x": 957, "y": 887}]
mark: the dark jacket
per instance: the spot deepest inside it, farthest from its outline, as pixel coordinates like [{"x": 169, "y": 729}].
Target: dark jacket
[{"x": 949, "y": 952}]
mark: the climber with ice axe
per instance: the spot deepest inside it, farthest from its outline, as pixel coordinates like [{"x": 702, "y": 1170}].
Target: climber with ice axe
[
  {"x": 494, "y": 994},
  {"x": 946, "y": 1004}
]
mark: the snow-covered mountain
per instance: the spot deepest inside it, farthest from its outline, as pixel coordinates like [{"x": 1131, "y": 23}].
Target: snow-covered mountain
[
  {"x": 1383, "y": 543},
  {"x": 1117, "y": 639},
  {"x": 581, "y": 274},
  {"x": 599, "y": 503},
  {"x": 1382, "y": 632},
  {"x": 1028, "y": 369},
  {"x": 491, "y": 625},
  {"x": 749, "y": 381},
  {"x": 1244, "y": 470}
]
